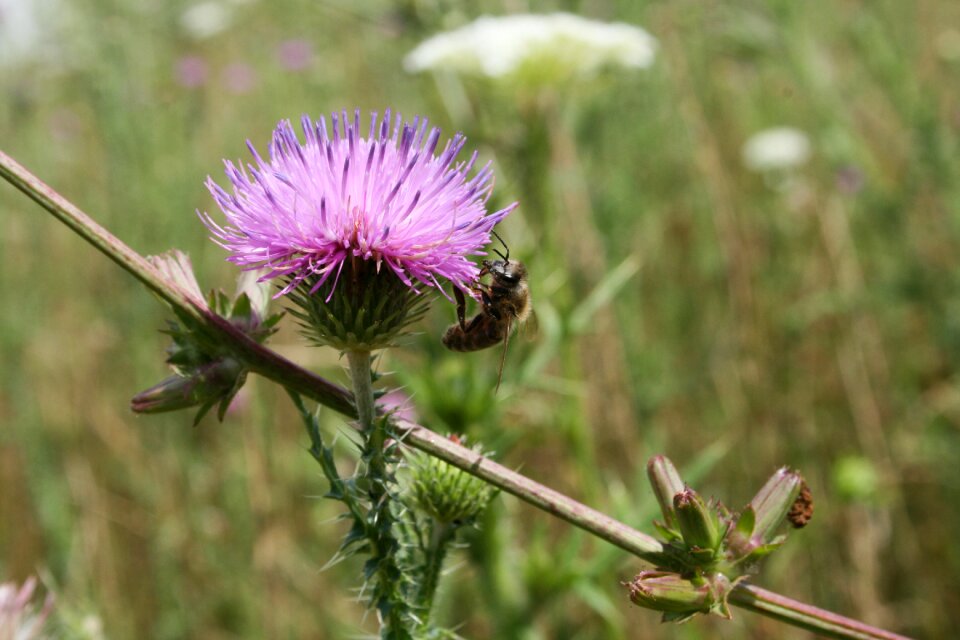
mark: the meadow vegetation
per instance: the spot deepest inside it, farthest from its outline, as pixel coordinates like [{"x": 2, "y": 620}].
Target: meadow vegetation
[{"x": 732, "y": 317}]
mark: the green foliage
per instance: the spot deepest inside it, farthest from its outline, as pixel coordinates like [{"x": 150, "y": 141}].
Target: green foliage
[{"x": 803, "y": 318}]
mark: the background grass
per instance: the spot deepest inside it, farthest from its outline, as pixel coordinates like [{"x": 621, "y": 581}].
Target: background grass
[{"x": 808, "y": 318}]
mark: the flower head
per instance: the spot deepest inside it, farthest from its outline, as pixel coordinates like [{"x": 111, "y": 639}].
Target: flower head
[
  {"x": 558, "y": 47},
  {"x": 774, "y": 149},
  {"x": 338, "y": 199}
]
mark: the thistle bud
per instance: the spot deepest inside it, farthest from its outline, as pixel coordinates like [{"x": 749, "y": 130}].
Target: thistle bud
[
  {"x": 448, "y": 494},
  {"x": 677, "y": 597},
  {"x": 666, "y": 483},
  {"x": 772, "y": 503},
  {"x": 698, "y": 522},
  {"x": 205, "y": 373},
  {"x": 207, "y": 383}
]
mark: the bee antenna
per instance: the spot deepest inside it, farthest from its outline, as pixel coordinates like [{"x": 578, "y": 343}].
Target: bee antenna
[{"x": 506, "y": 258}]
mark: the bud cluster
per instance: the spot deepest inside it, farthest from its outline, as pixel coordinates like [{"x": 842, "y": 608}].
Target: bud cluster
[
  {"x": 205, "y": 374},
  {"x": 707, "y": 548}
]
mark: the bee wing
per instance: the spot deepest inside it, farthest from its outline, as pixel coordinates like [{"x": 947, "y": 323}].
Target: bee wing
[{"x": 530, "y": 329}]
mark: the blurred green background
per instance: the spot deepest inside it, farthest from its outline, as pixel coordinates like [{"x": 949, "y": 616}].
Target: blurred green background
[{"x": 733, "y": 319}]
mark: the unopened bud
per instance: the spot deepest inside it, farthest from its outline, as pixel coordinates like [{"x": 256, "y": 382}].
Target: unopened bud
[
  {"x": 202, "y": 385},
  {"x": 773, "y": 502},
  {"x": 697, "y": 521},
  {"x": 666, "y": 483},
  {"x": 449, "y": 494},
  {"x": 677, "y": 597}
]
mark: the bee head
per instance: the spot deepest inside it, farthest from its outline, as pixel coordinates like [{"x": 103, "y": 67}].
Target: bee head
[{"x": 507, "y": 271}]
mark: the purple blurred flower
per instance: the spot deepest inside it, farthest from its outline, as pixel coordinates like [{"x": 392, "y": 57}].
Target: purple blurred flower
[
  {"x": 386, "y": 198},
  {"x": 399, "y": 405},
  {"x": 295, "y": 55},
  {"x": 850, "y": 180},
  {"x": 191, "y": 71},
  {"x": 240, "y": 78}
]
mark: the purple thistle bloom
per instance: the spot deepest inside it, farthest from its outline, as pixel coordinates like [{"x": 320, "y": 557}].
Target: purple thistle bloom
[{"x": 387, "y": 198}]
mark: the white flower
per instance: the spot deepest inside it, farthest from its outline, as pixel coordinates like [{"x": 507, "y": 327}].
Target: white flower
[
  {"x": 559, "y": 44},
  {"x": 206, "y": 19},
  {"x": 777, "y": 148},
  {"x": 21, "y": 618},
  {"x": 22, "y": 33}
]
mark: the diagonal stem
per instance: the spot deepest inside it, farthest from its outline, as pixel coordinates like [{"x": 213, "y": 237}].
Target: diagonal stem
[{"x": 282, "y": 371}]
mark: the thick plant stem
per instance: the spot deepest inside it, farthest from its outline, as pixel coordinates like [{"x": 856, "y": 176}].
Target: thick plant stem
[
  {"x": 805, "y": 616},
  {"x": 362, "y": 382},
  {"x": 441, "y": 535},
  {"x": 386, "y": 575},
  {"x": 274, "y": 367}
]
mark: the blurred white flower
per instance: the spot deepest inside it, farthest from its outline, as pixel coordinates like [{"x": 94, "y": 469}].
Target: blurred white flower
[
  {"x": 19, "y": 617},
  {"x": 558, "y": 45},
  {"x": 206, "y": 19},
  {"x": 777, "y": 148},
  {"x": 22, "y": 33}
]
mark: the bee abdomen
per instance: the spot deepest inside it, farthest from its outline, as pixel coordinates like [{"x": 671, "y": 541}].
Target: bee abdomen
[
  {"x": 482, "y": 332},
  {"x": 455, "y": 339}
]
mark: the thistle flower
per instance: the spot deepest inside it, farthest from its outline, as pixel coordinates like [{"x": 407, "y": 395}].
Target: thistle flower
[{"x": 339, "y": 210}]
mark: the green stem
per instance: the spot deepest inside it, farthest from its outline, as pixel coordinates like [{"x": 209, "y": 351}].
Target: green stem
[
  {"x": 274, "y": 367},
  {"x": 805, "y": 616},
  {"x": 441, "y": 535},
  {"x": 362, "y": 382},
  {"x": 339, "y": 489},
  {"x": 387, "y": 576}
]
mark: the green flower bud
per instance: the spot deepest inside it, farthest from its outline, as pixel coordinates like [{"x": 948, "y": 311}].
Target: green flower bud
[
  {"x": 205, "y": 384},
  {"x": 679, "y": 598},
  {"x": 666, "y": 483},
  {"x": 446, "y": 493},
  {"x": 205, "y": 373},
  {"x": 698, "y": 522},
  {"x": 772, "y": 503}
]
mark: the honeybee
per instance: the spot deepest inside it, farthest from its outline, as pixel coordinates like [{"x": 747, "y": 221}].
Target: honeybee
[{"x": 505, "y": 304}]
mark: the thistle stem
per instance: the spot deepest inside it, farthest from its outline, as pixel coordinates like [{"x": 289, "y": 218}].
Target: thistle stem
[
  {"x": 805, "y": 616},
  {"x": 282, "y": 371},
  {"x": 388, "y": 588},
  {"x": 362, "y": 383},
  {"x": 441, "y": 534}
]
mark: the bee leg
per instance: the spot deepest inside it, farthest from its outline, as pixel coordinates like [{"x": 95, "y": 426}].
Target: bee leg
[
  {"x": 461, "y": 307},
  {"x": 488, "y": 305}
]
